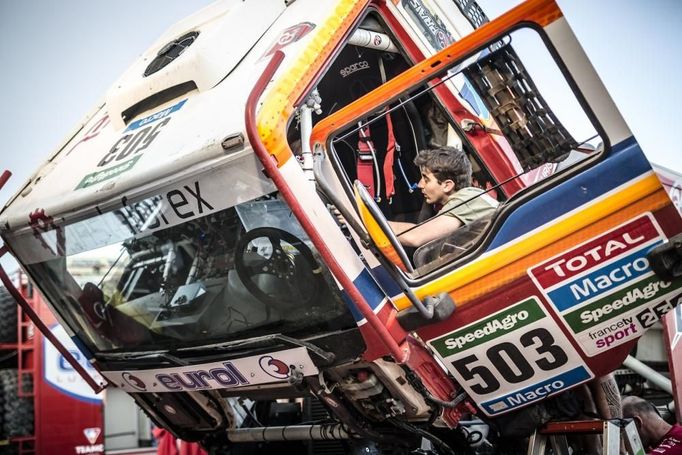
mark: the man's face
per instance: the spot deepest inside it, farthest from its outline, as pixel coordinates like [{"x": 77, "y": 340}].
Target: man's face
[{"x": 434, "y": 192}]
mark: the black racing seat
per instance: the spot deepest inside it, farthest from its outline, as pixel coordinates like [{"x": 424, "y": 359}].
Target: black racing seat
[{"x": 453, "y": 245}]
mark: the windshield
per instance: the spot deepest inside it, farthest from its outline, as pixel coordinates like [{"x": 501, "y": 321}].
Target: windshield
[{"x": 241, "y": 272}]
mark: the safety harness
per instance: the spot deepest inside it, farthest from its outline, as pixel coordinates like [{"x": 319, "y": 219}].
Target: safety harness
[{"x": 367, "y": 164}]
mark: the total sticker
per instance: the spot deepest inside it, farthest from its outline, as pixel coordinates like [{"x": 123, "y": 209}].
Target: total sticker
[
  {"x": 604, "y": 289},
  {"x": 512, "y": 358}
]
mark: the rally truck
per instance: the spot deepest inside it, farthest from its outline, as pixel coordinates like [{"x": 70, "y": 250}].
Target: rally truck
[{"x": 232, "y": 194}]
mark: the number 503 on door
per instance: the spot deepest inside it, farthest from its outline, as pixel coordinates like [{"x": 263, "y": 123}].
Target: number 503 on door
[{"x": 512, "y": 358}]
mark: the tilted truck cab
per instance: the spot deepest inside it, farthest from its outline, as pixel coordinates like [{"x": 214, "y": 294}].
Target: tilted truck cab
[{"x": 216, "y": 233}]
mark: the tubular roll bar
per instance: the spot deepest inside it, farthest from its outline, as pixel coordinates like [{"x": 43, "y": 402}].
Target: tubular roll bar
[
  {"x": 33, "y": 316},
  {"x": 273, "y": 172}
]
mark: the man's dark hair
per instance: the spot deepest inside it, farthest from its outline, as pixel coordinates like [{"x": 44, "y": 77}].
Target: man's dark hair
[{"x": 446, "y": 163}]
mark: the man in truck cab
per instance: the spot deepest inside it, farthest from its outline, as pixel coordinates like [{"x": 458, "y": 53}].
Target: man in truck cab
[{"x": 445, "y": 183}]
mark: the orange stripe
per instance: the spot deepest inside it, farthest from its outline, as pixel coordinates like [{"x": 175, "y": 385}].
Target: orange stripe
[
  {"x": 278, "y": 104},
  {"x": 392, "y": 255},
  {"x": 504, "y": 276},
  {"x": 541, "y": 12},
  {"x": 377, "y": 234}
]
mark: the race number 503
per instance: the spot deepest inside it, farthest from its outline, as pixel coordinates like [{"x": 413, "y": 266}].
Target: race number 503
[
  {"x": 507, "y": 352},
  {"x": 512, "y": 362}
]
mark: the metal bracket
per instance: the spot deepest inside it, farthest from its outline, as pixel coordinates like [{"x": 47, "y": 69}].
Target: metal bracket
[{"x": 666, "y": 259}]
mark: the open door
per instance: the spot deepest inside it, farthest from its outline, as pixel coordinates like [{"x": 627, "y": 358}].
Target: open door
[{"x": 555, "y": 286}]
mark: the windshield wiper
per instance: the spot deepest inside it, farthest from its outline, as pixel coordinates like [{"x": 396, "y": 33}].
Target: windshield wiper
[
  {"x": 326, "y": 356},
  {"x": 152, "y": 355}
]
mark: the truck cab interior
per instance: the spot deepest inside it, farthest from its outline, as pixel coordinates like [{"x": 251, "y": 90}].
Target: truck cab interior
[{"x": 513, "y": 139}]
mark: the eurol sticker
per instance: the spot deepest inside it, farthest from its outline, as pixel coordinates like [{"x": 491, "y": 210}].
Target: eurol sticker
[
  {"x": 61, "y": 375},
  {"x": 259, "y": 369}
]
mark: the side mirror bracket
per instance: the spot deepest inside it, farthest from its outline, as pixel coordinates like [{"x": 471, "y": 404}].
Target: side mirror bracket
[{"x": 666, "y": 260}]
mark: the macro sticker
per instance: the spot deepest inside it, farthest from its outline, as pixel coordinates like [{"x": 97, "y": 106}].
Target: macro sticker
[
  {"x": 604, "y": 289},
  {"x": 156, "y": 116},
  {"x": 512, "y": 358}
]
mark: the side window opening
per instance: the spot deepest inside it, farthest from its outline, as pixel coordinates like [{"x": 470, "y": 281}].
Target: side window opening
[
  {"x": 512, "y": 104},
  {"x": 357, "y": 70},
  {"x": 409, "y": 205},
  {"x": 381, "y": 154}
]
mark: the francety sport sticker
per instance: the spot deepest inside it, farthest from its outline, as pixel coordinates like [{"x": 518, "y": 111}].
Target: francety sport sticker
[
  {"x": 604, "y": 289},
  {"x": 258, "y": 369},
  {"x": 512, "y": 358}
]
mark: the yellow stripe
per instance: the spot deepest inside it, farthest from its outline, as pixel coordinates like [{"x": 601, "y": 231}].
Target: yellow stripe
[
  {"x": 377, "y": 234},
  {"x": 551, "y": 234},
  {"x": 278, "y": 105},
  {"x": 499, "y": 278}
]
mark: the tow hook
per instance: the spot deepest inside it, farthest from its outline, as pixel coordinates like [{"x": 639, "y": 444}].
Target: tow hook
[
  {"x": 666, "y": 259},
  {"x": 296, "y": 376}
]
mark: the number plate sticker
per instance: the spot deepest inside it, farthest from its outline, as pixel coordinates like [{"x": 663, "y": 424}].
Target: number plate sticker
[
  {"x": 129, "y": 148},
  {"x": 512, "y": 358},
  {"x": 604, "y": 289}
]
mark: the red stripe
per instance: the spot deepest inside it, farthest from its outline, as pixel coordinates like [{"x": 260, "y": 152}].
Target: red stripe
[
  {"x": 273, "y": 172},
  {"x": 601, "y": 249}
]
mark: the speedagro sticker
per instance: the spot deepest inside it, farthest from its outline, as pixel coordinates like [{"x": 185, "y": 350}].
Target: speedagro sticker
[{"x": 513, "y": 358}]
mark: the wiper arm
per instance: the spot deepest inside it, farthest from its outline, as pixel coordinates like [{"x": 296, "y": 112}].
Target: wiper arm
[
  {"x": 326, "y": 356},
  {"x": 152, "y": 355}
]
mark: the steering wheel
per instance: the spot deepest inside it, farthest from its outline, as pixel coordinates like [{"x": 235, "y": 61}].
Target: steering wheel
[{"x": 283, "y": 274}]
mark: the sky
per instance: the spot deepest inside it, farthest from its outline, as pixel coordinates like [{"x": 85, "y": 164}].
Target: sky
[{"x": 59, "y": 58}]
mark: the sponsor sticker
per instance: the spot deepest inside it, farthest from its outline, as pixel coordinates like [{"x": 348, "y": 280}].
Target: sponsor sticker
[
  {"x": 127, "y": 150},
  {"x": 536, "y": 391},
  {"x": 512, "y": 358},
  {"x": 431, "y": 25},
  {"x": 61, "y": 375},
  {"x": 106, "y": 174},
  {"x": 91, "y": 434},
  {"x": 155, "y": 117},
  {"x": 288, "y": 36},
  {"x": 259, "y": 369},
  {"x": 604, "y": 289},
  {"x": 353, "y": 68}
]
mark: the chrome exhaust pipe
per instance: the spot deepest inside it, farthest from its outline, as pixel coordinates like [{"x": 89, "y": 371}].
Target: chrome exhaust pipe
[{"x": 289, "y": 433}]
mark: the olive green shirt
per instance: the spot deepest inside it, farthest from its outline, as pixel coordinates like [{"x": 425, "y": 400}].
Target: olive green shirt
[{"x": 478, "y": 206}]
